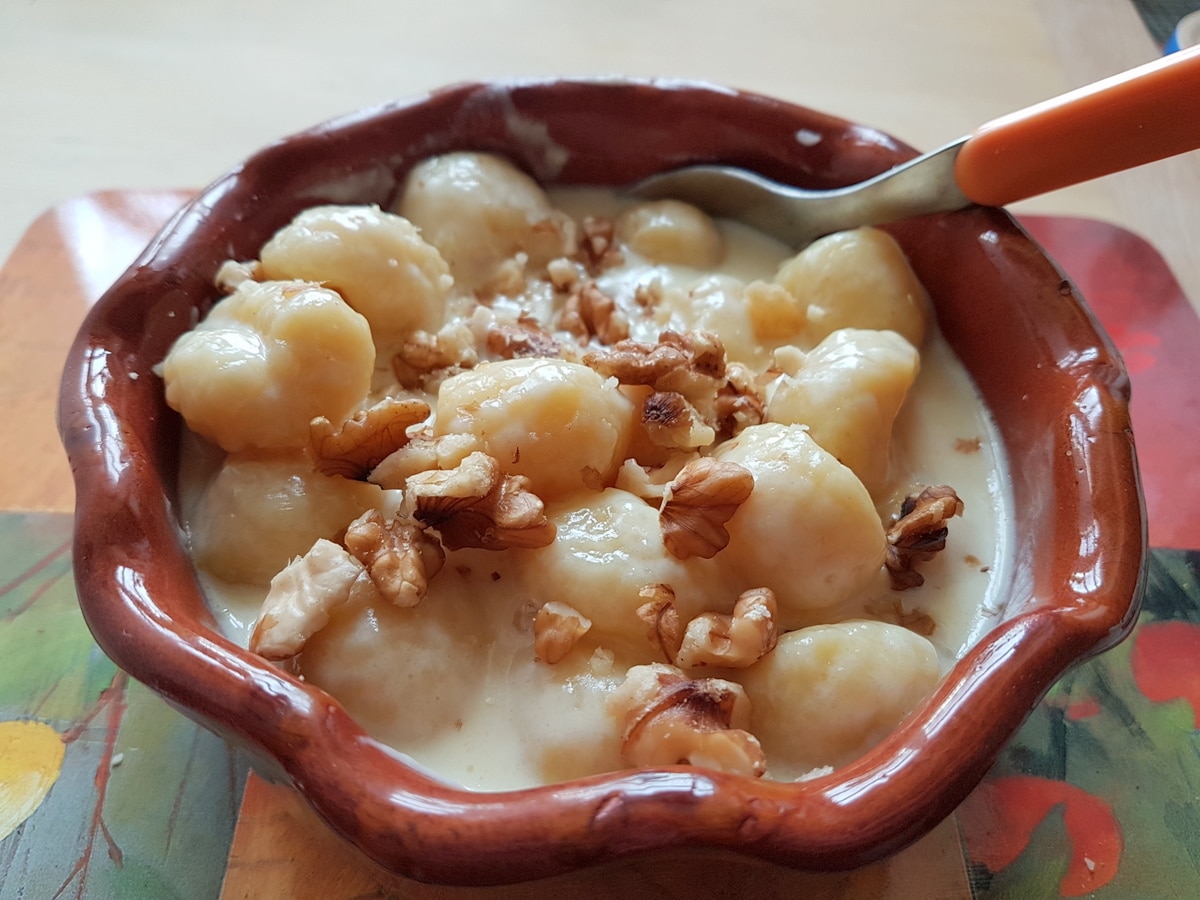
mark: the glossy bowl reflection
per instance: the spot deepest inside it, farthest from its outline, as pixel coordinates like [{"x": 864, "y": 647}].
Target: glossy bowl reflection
[{"x": 1056, "y": 387}]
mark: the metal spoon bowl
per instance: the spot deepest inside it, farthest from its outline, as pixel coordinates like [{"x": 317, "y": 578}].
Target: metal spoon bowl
[{"x": 1137, "y": 117}]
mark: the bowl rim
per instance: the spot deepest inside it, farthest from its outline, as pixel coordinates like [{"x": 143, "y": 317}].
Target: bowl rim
[{"x": 129, "y": 551}]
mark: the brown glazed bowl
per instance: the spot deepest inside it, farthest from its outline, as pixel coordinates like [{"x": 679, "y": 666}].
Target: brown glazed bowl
[{"x": 1055, "y": 385}]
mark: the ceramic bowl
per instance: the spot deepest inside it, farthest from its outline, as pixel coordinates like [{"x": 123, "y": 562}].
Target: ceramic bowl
[{"x": 1053, "y": 381}]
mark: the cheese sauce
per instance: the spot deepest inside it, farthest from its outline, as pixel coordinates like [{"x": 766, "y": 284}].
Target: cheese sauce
[{"x": 454, "y": 684}]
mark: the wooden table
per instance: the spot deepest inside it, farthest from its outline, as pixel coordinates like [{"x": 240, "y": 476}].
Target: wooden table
[{"x": 171, "y": 94}]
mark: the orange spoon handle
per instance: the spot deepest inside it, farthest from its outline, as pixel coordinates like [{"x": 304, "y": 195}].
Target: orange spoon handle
[{"x": 1139, "y": 116}]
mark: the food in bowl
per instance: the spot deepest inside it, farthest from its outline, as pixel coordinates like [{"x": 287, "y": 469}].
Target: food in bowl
[
  {"x": 1055, "y": 388},
  {"x": 540, "y": 486}
]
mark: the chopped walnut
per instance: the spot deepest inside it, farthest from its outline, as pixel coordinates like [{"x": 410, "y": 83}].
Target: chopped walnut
[
  {"x": 554, "y": 236},
  {"x": 668, "y": 718},
  {"x": 735, "y": 641},
  {"x": 919, "y": 532},
  {"x": 891, "y": 609},
  {"x": 423, "y": 353},
  {"x": 301, "y": 598},
  {"x": 232, "y": 273},
  {"x": 592, "y": 478},
  {"x": 739, "y": 403},
  {"x": 598, "y": 247},
  {"x": 399, "y": 557},
  {"x": 651, "y": 484},
  {"x": 649, "y": 294},
  {"x": 508, "y": 279},
  {"x": 674, "y": 358},
  {"x": 557, "y": 628},
  {"x": 439, "y": 493},
  {"x": 476, "y": 505},
  {"x": 698, "y": 503},
  {"x": 671, "y": 421},
  {"x": 591, "y": 312},
  {"x": 422, "y": 452},
  {"x": 774, "y": 313},
  {"x": 562, "y": 273},
  {"x": 526, "y": 338},
  {"x": 664, "y": 629},
  {"x": 362, "y": 442}
]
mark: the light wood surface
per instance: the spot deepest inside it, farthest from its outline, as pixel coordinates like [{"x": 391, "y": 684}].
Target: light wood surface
[{"x": 145, "y": 94}]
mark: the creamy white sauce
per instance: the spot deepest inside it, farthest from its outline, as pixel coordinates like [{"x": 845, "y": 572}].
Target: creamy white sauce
[{"x": 461, "y": 693}]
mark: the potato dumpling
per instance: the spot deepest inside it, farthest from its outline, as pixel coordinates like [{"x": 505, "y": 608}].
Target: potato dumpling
[
  {"x": 559, "y": 423},
  {"x": 564, "y": 722},
  {"x": 257, "y": 514},
  {"x": 828, "y": 693},
  {"x": 609, "y": 546},
  {"x": 809, "y": 529},
  {"x": 377, "y": 261},
  {"x": 857, "y": 279},
  {"x": 717, "y": 304},
  {"x": 671, "y": 232},
  {"x": 848, "y": 392},
  {"x": 266, "y": 361},
  {"x": 405, "y": 675},
  {"x": 480, "y": 210}
]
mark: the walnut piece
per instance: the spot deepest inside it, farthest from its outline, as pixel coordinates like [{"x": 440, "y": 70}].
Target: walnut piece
[
  {"x": 399, "y": 557},
  {"x": 739, "y": 403},
  {"x": 663, "y": 627},
  {"x": 422, "y": 354},
  {"x": 919, "y": 532},
  {"x": 232, "y": 273},
  {"x": 671, "y": 421},
  {"x": 508, "y": 279},
  {"x": 362, "y": 442},
  {"x": 476, "y": 505},
  {"x": 649, "y": 294},
  {"x": 697, "y": 504},
  {"x": 562, "y": 273},
  {"x": 589, "y": 312},
  {"x": 598, "y": 247},
  {"x": 734, "y": 641},
  {"x": 774, "y": 313},
  {"x": 422, "y": 452},
  {"x": 667, "y": 718},
  {"x": 651, "y": 483},
  {"x": 300, "y": 599},
  {"x": 675, "y": 362},
  {"x": 891, "y": 609},
  {"x": 526, "y": 338},
  {"x": 557, "y": 628}
]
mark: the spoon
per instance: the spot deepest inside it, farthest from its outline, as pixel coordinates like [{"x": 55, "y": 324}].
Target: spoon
[{"x": 1139, "y": 116}]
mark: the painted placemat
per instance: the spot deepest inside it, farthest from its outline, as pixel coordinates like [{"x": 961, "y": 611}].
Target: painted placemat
[{"x": 105, "y": 791}]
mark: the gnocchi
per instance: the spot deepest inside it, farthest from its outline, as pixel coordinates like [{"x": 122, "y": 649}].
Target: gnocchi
[
  {"x": 642, "y": 487},
  {"x": 809, "y": 529},
  {"x": 848, "y": 392},
  {"x": 378, "y": 262},
  {"x": 422, "y": 664},
  {"x": 609, "y": 547},
  {"x": 266, "y": 361},
  {"x": 480, "y": 211},
  {"x": 258, "y": 513},
  {"x": 857, "y": 279},
  {"x": 558, "y": 423},
  {"x": 839, "y": 665},
  {"x": 671, "y": 232}
]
